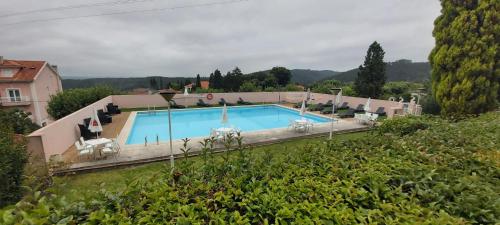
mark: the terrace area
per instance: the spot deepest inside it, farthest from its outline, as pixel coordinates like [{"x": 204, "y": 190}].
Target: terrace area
[{"x": 56, "y": 141}]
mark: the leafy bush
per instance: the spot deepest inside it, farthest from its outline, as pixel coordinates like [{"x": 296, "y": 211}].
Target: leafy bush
[
  {"x": 18, "y": 120},
  {"x": 69, "y": 101},
  {"x": 13, "y": 157},
  {"x": 249, "y": 87},
  {"x": 444, "y": 174},
  {"x": 404, "y": 125}
]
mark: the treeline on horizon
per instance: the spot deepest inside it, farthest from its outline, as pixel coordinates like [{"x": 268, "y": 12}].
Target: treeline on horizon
[{"x": 400, "y": 70}]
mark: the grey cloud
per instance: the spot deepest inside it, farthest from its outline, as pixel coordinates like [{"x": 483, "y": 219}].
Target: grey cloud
[{"x": 254, "y": 35}]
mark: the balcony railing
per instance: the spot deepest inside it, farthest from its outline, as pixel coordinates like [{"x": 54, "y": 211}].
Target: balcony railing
[{"x": 15, "y": 101}]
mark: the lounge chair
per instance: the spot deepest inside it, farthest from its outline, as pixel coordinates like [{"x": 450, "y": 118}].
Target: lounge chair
[
  {"x": 329, "y": 103},
  {"x": 103, "y": 117},
  {"x": 359, "y": 108},
  {"x": 243, "y": 102},
  {"x": 344, "y": 105},
  {"x": 201, "y": 103},
  {"x": 347, "y": 114},
  {"x": 317, "y": 107},
  {"x": 223, "y": 101},
  {"x": 86, "y": 133},
  {"x": 328, "y": 110},
  {"x": 113, "y": 109},
  {"x": 174, "y": 105},
  {"x": 381, "y": 111},
  {"x": 299, "y": 105}
]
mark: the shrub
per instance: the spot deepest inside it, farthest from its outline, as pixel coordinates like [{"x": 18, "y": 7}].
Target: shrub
[
  {"x": 403, "y": 125},
  {"x": 443, "y": 175},
  {"x": 18, "y": 120},
  {"x": 249, "y": 87},
  {"x": 69, "y": 101},
  {"x": 13, "y": 157}
]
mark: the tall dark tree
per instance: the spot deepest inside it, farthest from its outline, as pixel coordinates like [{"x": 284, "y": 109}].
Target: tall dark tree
[
  {"x": 282, "y": 75},
  {"x": 371, "y": 76},
  {"x": 217, "y": 80},
  {"x": 238, "y": 79},
  {"x": 211, "y": 80},
  {"x": 198, "y": 81},
  {"x": 153, "y": 84},
  {"x": 465, "y": 60}
]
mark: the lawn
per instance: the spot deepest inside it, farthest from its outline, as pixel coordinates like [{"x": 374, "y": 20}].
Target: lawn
[{"x": 81, "y": 186}]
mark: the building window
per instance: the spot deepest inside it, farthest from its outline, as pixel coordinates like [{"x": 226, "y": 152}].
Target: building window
[
  {"x": 14, "y": 95},
  {"x": 6, "y": 72}
]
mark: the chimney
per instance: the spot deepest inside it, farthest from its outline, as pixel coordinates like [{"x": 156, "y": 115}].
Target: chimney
[{"x": 1, "y": 59}]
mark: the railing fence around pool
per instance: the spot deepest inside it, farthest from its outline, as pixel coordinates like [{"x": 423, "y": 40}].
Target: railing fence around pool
[{"x": 57, "y": 137}]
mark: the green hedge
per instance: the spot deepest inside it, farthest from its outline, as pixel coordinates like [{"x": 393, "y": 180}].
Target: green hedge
[
  {"x": 69, "y": 101},
  {"x": 13, "y": 157},
  {"x": 446, "y": 173}
]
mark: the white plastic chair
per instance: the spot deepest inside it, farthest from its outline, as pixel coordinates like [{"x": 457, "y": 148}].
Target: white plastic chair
[{"x": 83, "y": 150}]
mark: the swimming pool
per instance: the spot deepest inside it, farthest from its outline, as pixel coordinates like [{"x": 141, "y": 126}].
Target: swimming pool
[{"x": 198, "y": 122}]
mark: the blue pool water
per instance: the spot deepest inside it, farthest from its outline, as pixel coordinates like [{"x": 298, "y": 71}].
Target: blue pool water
[{"x": 198, "y": 122}]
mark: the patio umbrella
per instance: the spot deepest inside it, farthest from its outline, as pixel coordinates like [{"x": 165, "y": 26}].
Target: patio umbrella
[
  {"x": 186, "y": 93},
  {"x": 338, "y": 98},
  {"x": 224, "y": 114},
  {"x": 303, "y": 108},
  {"x": 95, "y": 124},
  {"x": 308, "y": 94},
  {"x": 367, "y": 105}
]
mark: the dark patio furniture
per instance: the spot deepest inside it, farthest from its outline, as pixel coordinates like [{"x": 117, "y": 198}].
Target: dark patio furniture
[
  {"x": 223, "y": 101},
  {"x": 317, "y": 107},
  {"x": 243, "y": 102},
  {"x": 299, "y": 104},
  {"x": 344, "y": 105},
  {"x": 381, "y": 111},
  {"x": 347, "y": 114},
  {"x": 328, "y": 110},
  {"x": 201, "y": 103},
  {"x": 174, "y": 105},
  {"x": 359, "y": 108},
  {"x": 113, "y": 109},
  {"x": 103, "y": 117},
  {"x": 86, "y": 133}
]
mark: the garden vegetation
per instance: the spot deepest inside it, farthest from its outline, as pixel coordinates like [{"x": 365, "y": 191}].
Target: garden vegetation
[{"x": 422, "y": 170}]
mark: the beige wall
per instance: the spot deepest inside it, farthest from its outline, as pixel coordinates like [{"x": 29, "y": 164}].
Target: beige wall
[
  {"x": 46, "y": 84},
  {"x": 58, "y": 136}
]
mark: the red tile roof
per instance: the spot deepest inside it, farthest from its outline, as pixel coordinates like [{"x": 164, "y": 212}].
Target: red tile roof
[
  {"x": 204, "y": 84},
  {"x": 27, "y": 69}
]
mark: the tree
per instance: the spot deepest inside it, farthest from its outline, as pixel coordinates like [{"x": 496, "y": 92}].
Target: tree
[
  {"x": 18, "y": 121},
  {"x": 153, "y": 84},
  {"x": 282, "y": 75},
  {"x": 248, "y": 86},
  {"x": 198, "y": 81},
  {"x": 69, "y": 101},
  {"x": 371, "y": 76},
  {"x": 13, "y": 157},
  {"x": 217, "y": 80},
  {"x": 237, "y": 79},
  {"x": 465, "y": 61}
]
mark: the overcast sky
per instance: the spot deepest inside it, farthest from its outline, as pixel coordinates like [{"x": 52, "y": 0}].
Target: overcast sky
[{"x": 253, "y": 35}]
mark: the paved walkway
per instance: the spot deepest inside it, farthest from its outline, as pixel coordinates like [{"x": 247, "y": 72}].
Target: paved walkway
[{"x": 137, "y": 154}]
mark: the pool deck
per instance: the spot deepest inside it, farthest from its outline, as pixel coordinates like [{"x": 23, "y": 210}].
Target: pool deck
[{"x": 140, "y": 154}]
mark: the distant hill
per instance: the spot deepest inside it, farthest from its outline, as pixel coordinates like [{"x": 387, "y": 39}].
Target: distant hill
[
  {"x": 401, "y": 70},
  {"x": 124, "y": 84}
]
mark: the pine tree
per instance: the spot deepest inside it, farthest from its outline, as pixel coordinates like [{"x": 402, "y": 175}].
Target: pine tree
[
  {"x": 217, "y": 80},
  {"x": 371, "y": 76},
  {"x": 465, "y": 60},
  {"x": 198, "y": 81}
]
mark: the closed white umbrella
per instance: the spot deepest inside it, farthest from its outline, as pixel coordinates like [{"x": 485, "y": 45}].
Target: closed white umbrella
[
  {"x": 224, "y": 115},
  {"x": 308, "y": 94},
  {"x": 303, "y": 108},
  {"x": 367, "y": 105},
  {"x": 186, "y": 93},
  {"x": 95, "y": 124},
  {"x": 338, "y": 98}
]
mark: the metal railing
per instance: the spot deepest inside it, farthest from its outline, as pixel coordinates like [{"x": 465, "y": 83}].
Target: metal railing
[{"x": 18, "y": 100}]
